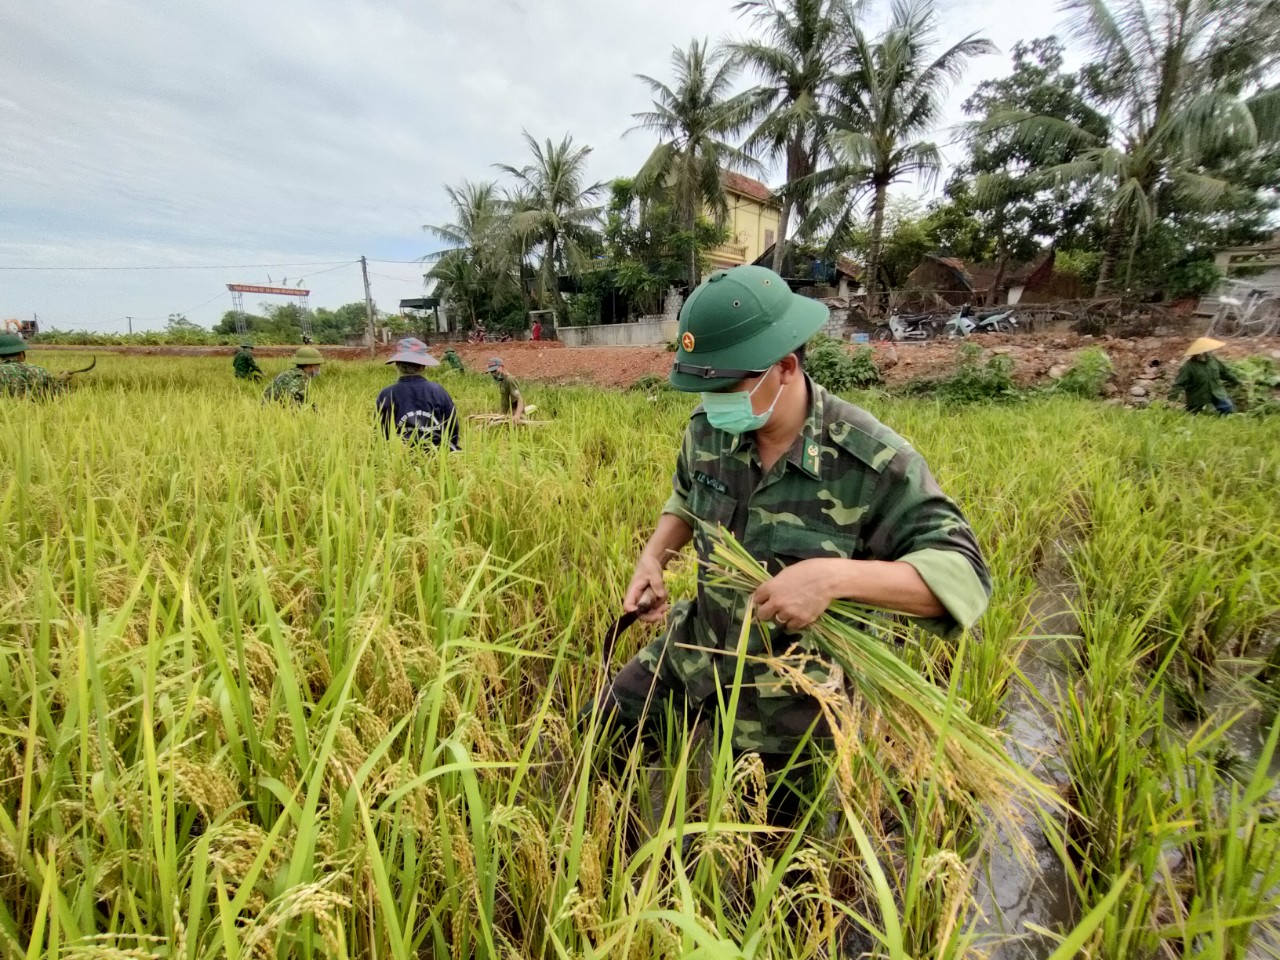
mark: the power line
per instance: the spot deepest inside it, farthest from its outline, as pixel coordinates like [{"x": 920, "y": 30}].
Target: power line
[
  {"x": 316, "y": 273},
  {"x": 203, "y": 266},
  {"x": 385, "y": 276}
]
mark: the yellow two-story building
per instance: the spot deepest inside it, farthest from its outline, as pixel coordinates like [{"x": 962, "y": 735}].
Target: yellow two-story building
[{"x": 753, "y": 222}]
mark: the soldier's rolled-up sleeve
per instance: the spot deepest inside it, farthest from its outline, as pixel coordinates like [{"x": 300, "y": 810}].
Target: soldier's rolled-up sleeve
[
  {"x": 911, "y": 520},
  {"x": 678, "y": 503}
]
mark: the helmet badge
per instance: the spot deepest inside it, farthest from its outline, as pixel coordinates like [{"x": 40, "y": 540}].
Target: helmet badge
[{"x": 687, "y": 341}]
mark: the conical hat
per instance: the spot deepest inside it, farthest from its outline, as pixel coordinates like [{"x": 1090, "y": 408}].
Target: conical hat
[{"x": 1203, "y": 345}]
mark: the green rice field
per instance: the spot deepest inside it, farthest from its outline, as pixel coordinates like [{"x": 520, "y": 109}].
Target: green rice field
[{"x": 271, "y": 686}]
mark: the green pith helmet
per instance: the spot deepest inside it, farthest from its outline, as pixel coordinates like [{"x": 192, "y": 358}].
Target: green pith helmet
[
  {"x": 246, "y": 345},
  {"x": 737, "y": 324},
  {"x": 306, "y": 356},
  {"x": 11, "y": 344}
]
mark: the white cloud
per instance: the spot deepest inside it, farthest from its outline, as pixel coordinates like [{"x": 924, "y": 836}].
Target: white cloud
[{"x": 309, "y": 130}]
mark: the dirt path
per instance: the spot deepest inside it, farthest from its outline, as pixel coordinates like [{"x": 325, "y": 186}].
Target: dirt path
[{"x": 1034, "y": 356}]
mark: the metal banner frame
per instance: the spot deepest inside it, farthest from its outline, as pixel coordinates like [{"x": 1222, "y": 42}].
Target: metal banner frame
[{"x": 238, "y": 290}]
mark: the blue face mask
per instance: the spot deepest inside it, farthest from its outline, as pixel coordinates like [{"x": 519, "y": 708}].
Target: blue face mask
[{"x": 733, "y": 413}]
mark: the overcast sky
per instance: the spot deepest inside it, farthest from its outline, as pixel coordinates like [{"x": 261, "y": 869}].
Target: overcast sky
[{"x": 236, "y": 134}]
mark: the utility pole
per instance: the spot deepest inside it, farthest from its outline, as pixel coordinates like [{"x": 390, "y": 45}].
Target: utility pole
[
  {"x": 368, "y": 306},
  {"x": 130, "y": 319}
]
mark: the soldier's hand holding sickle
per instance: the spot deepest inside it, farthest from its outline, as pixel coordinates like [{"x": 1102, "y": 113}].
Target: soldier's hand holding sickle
[{"x": 68, "y": 374}]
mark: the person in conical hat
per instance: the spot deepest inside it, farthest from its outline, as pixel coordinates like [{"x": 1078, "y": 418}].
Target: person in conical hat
[{"x": 1203, "y": 378}]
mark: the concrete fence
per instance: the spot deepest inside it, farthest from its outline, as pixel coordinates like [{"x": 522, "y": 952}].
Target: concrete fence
[{"x": 645, "y": 333}]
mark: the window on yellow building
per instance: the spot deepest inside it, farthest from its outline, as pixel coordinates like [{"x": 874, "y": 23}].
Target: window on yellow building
[{"x": 768, "y": 239}]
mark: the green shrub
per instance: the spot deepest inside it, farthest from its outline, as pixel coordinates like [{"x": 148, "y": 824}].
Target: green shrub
[
  {"x": 1259, "y": 389},
  {"x": 1092, "y": 368},
  {"x": 829, "y": 362},
  {"x": 975, "y": 380},
  {"x": 651, "y": 383}
]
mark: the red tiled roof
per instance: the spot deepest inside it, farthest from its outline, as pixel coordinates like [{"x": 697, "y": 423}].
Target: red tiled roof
[{"x": 747, "y": 187}]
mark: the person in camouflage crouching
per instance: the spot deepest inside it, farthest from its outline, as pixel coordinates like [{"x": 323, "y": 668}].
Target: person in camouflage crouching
[
  {"x": 244, "y": 364},
  {"x": 21, "y": 379},
  {"x": 453, "y": 361},
  {"x": 833, "y": 503},
  {"x": 291, "y": 385}
]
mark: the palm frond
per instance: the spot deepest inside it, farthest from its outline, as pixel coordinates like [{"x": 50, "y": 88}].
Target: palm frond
[
  {"x": 1265, "y": 107},
  {"x": 1200, "y": 190}
]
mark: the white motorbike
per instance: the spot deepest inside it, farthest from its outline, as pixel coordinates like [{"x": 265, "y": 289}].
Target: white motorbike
[{"x": 966, "y": 322}]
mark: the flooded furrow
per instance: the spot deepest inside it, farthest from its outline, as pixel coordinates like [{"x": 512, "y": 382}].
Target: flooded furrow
[{"x": 1017, "y": 892}]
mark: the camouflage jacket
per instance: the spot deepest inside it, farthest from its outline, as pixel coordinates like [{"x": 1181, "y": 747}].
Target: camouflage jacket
[
  {"x": 510, "y": 394},
  {"x": 246, "y": 366},
  {"x": 1202, "y": 378},
  {"x": 25, "y": 379},
  {"x": 451, "y": 359},
  {"x": 291, "y": 384},
  {"x": 848, "y": 487}
]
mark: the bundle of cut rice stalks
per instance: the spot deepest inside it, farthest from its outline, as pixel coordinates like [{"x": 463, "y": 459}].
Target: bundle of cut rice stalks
[{"x": 930, "y": 734}]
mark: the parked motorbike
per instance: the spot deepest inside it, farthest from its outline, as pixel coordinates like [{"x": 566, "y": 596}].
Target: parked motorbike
[
  {"x": 907, "y": 326},
  {"x": 966, "y": 321}
]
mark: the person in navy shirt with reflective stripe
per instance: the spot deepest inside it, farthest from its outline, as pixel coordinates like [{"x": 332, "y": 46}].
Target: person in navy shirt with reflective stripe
[{"x": 417, "y": 409}]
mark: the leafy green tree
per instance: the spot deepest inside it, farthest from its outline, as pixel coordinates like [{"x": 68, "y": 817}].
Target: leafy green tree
[
  {"x": 552, "y": 210},
  {"x": 910, "y": 231},
  {"x": 254, "y": 323},
  {"x": 798, "y": 61},
  {"x": 647, "y": 248},
  {"x": 1186, "y": 85},
  {"x": 887, "y": 102},
  {"x": 346, "y": 323},
  {"x": 178, "y": 323},
  {"x": 694, "y": 120},
  {"x": 1019, "y": 210}
]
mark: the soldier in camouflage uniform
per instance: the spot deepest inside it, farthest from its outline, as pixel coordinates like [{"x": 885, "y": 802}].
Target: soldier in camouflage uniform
[
  {"x": 835, "y": 505},
  {"x": 21, "y": 379},
  {"x": 510, "y": 400},
  {"x": 244, "y": 364},
  {"x": 291, "y": 385},
  {"x": 453, "y": 361}
]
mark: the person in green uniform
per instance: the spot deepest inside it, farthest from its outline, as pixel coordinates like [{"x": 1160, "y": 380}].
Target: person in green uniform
[
  {"x": 512, "y": 403},
  {"x": 833, "y": 503},
  {"x": 291, "y": 385},
  {"x": 453, "y": 361},
  {"x": 21, "y": 379},
  {"x": 244, "y": 364},
  {"x": 1203, "y": 377}
]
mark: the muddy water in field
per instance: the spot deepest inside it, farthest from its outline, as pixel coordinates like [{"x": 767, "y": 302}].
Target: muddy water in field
[
  {"x": 1017, "y": 891},
  {"x": 1020, "y": 892}
]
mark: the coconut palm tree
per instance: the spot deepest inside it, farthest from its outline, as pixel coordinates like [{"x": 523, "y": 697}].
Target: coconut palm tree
[
  {"x": 1186, "y": 92},
  {"x": 552, "y": 209},
  {"x": 693, "y": 120},
  {"x": 798, "y": 61},
  {"x": 886, "y": 104},
  {"x": 472, "y": 269}
]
